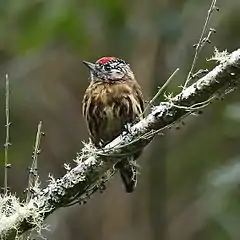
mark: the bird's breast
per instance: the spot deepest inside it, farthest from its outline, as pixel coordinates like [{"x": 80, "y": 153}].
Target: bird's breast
[{"x": 110, "y": 108}]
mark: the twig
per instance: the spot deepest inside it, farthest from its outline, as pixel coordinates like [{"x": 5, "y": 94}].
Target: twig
[
  {"x": 159, "y": 92},
  {"x": 33, "y": 170},
  {"x": 7, "y": 143},
  {"x": 196, "y": 106},
  {"x": 201, "y": 42}
]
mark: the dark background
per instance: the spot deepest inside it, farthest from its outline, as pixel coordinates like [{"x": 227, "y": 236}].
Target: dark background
[{"x": 189, "y": 183}]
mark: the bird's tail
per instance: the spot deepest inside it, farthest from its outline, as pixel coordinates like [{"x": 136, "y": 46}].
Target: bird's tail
[{"x": 128, "y": 170}]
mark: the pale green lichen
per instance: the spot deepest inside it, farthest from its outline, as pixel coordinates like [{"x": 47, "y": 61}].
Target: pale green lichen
[
  {"x": 219, "y": 56},
  {"x": 13, "y": 212}
]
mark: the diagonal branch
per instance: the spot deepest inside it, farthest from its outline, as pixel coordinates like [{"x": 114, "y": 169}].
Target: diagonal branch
[{"x": 95, "y": 167}]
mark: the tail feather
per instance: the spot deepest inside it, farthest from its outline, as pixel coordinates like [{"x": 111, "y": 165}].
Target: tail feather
[{"x": 128, "y": 173}]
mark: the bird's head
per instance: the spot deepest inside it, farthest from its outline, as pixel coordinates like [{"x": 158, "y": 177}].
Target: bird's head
[{"x": 110, "y": 69}]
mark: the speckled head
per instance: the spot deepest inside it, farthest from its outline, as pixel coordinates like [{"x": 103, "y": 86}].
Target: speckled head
[{"x": 109, "y": 69}]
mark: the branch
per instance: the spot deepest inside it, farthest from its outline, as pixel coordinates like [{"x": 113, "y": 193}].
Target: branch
[
  {"x": 33, "y": 172},
  {"x": 96, "y": 166},
  {"x": 7, "y": 143}
]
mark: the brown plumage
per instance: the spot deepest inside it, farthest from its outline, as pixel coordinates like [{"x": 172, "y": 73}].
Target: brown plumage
[{"x": 112, "y": 100}]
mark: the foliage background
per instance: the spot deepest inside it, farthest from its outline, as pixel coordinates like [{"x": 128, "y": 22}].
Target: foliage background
[{"x": 189, "y": 183}]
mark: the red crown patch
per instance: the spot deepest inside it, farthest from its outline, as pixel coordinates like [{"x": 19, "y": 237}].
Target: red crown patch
[{"x": 105, "y": 59}]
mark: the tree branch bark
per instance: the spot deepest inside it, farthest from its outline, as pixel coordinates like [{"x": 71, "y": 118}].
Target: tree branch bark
[{"x": 96, "y": 166}]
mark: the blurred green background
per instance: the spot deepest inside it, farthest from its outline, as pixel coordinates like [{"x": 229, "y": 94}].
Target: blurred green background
[{"x": 189, "y": 183}]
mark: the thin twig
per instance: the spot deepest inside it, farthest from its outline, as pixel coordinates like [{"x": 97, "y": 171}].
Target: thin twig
[
  {"x": 201, "y": 41},
  {"x": 159, "y": 91},
  {"x": 196, "y": 106},
  {"x": 7, "y": 143},
  {"x": 33, "y": 170}
]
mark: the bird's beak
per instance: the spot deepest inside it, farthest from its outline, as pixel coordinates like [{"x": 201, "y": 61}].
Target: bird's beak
[{"x": 90, "y": 65}]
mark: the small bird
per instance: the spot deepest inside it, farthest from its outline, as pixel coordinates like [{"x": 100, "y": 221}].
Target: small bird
[{"x": 112, "y": 100}]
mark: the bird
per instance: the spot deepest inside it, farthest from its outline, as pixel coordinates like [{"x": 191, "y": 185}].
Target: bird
[{"x": 113, "y": 100}]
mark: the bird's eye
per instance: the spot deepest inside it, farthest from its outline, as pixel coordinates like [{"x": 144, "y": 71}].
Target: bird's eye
[{"x": 107, "y": 68}]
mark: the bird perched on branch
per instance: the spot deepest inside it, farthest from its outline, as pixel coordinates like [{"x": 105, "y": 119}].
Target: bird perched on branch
[{"x": 112, "y": 100}]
